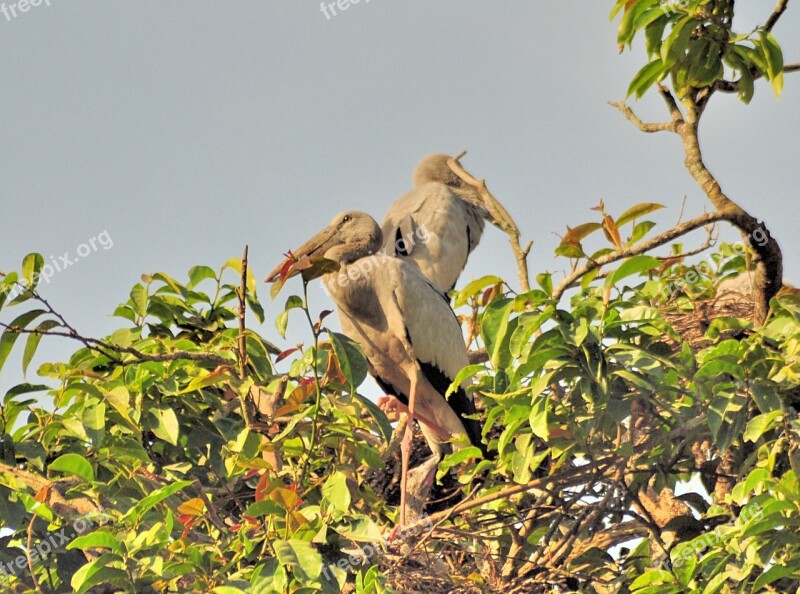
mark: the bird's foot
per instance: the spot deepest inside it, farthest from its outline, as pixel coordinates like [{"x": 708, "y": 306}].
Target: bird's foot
[{"x": 391, "y": 404}]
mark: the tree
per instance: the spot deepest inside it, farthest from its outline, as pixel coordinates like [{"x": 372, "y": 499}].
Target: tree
[{"x": 176, "y": 458}]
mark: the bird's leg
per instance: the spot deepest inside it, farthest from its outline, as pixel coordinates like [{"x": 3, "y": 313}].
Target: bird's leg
[
  {"x": 391, "y": 403},
  {"x": 405, "y": 448}
]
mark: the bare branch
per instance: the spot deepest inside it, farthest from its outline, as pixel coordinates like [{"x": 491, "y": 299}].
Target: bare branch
[
  {"x": 643, "y": 126},
  {"x": 640, "y": 248},
  {"x": 672, "y": 105},
  {"x": 773, "y": 19}
]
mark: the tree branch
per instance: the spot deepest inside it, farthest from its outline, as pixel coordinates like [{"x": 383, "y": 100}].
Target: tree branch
[
  {"x": 732, "y": 86},
  {"x": 500, "y": 218},
  {"x": 773, "y": 19},
  {"x": 139, "y": 356},
  {"x": 643, "y": 126},
  {"x": 645, "y": 246}
]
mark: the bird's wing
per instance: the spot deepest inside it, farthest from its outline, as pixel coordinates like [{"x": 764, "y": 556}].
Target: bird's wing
[
  {"x": 435, "y": 335},
  {"x": 405, "y": 213}
]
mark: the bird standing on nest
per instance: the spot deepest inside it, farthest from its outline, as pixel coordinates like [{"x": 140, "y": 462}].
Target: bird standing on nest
[{"x": 409, "y": 334}]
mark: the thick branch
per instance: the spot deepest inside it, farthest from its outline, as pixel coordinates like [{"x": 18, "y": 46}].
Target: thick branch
[
  {"x": 53, "y": 493},
  {"x": 640, "y": 248}
]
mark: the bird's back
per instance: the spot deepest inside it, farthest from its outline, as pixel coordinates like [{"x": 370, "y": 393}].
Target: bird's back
[{"x": 435, "y": 230}]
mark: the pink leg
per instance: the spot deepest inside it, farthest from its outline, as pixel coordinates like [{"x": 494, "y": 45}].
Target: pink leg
[{"x": 390, "y": 403}]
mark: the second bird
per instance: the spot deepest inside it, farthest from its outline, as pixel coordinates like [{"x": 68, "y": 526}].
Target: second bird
[{"x": 436, "y": 225}]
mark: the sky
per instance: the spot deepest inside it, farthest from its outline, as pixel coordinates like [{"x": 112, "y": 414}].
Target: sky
[{"x": 148, "y": 136}]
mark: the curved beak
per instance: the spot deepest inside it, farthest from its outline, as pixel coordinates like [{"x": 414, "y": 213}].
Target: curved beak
[{"x": 305, "y": 257}]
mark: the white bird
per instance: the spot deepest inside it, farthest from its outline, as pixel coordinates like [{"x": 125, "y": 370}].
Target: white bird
[
  {"x": 409, "y": 334},
  {"x": 436, "y": 225}
]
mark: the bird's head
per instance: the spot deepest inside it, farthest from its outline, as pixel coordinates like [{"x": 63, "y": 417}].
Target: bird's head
[
  {"x": 434, "y": 168},
  {"x": 351, "y": 235}
]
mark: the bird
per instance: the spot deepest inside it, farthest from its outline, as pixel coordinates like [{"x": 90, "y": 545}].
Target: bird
[
  {"x": 407, "y": 331},
  {"x": 436, "y": 225}
]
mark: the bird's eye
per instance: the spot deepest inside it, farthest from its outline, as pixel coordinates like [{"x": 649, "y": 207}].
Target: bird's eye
[{"x": 346, "y": 218}]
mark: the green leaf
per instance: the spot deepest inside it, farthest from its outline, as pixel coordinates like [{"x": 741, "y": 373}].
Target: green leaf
[
  {"x": 647, "y": 77},
  {"x": 773, "y": 55},
  {"x": 198, "y": 274},
  {"x": 139, "y": 299},
  {"x": 166, "y": 427},
  {"x": 301, "y": 556},
  {"x": 351, "y": 360},
  {"x": 538, "y": 418},
  {"x": 150, "y": 501},
  {"x": 759, "y": 425},
  {"x": 31, "y": 267},
  {"x": 379, "y": 416},
  {"x": 99, "y": 539},
  {"x": 336, "y": 492},
  {"x": 282, "y": 321},
  {"x": 674, "y": 46},
  {"x": 637, "y": 211},
  {"x": 33, "y": 343},
  {"x": 474, "y": 288},
  {"x": 635, "y": 265},
  {"x": 9, "y": 338},
  {"x": 94, "y": 422},
  {"x": 73, "y": 464}
]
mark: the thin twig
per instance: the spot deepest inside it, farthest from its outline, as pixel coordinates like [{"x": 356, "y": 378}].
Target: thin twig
[{"x": 29, "y": 554}]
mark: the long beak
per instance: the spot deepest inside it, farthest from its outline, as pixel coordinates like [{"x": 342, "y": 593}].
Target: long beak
[{"x": 313, "y": 249}]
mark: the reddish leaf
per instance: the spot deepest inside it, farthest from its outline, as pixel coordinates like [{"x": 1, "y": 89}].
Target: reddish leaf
[{"x": 286, "y": 353}]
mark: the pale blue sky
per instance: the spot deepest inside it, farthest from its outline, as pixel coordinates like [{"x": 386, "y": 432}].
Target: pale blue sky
[{"x": 186, "y": 129}]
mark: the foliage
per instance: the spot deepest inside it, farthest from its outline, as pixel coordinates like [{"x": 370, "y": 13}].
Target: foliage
[
  {"x": 174, "y": 456},
  {"x": 693, "y": 43}
]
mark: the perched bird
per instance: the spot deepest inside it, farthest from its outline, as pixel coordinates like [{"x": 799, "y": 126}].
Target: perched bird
[
  {"x": 436, "y": 225},
  {"x": 409, "y": 334}
]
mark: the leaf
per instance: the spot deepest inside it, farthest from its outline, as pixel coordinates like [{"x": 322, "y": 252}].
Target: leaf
[
  {"x": 139, "y": 299},
  {"x": 352, "y": 362},
  {"x": 377, "y": 414},
  {"x": 336, "y": 492},
  {"x": 647, "y": 77},
  {"x": 9, "y": 338},
  {"x": 99, "y": 539},
  {"x": 760, "y": 424},
  {"x": 773, "y": 56},
  {"x": 150, "y": 501},
  {"x": 31, "y": 268},
  {"x": 637, "y": 211},
  {"x": 193, "y": 507},
  {"x": 94, "y": 422},
  {"x": 166, "y": 427},
  {"x": 282, "y": 321},
  {"x": 475, "y": 287},
  {"x": 73, "y": 464},
  {"x": 631, "y": 266},
  {"x": 198, "y": 274},
  {"x": 33, "y": 343},
  {"x": 538, "y": 418},
  {"x": 301, "y": 556}
]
